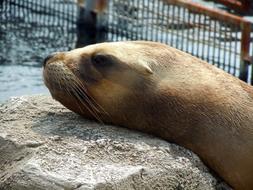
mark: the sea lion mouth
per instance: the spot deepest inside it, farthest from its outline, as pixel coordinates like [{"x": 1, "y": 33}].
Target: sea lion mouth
[{"x": 58, "y": 77}]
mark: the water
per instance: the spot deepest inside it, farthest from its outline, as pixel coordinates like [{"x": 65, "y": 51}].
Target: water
[
  {"x": 29, "y": 31},
  {"x": 17, "y": 80}
]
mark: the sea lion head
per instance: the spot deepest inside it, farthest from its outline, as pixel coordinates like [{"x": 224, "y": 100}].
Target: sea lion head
[
  {"x": 93, "y": 81},
  {"x": 160, "y": 90}
]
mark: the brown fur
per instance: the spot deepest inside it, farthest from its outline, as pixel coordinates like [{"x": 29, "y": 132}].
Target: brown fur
[{"x": 160, "y": 90}]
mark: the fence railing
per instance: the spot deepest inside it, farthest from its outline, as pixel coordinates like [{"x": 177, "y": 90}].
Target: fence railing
[
  {"x": 218, "y": 37},
  {"x": 37, "y": 27}
]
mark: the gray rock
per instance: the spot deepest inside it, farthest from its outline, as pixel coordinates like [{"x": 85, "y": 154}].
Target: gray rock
[{"x": 45, "y": 146}]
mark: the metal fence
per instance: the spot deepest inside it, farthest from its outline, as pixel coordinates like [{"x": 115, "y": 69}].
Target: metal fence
[
  {"x": 219, "y": 38},
  {"x": 37, "y": 28}
]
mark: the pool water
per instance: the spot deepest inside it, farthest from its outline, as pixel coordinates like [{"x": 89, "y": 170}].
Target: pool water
[
  {"x": 29, "y": 31},
  {"x": 17, "y": 80},
  {"x": 20, "y": 68}
]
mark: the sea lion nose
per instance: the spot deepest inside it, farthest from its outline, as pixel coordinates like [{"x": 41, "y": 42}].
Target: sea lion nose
[{"x": 49, "y": 57}]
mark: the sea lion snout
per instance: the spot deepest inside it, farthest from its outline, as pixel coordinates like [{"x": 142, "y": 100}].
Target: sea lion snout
[{"x": 50, "y": 56}]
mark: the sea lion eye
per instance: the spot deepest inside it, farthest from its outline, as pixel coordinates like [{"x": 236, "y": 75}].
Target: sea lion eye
[{"x": 101, "y": 60}]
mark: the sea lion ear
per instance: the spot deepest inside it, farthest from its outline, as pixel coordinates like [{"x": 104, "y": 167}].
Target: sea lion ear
[{"x": 143, "y": 67}]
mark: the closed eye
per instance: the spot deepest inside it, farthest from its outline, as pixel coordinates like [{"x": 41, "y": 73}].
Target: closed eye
[{"x": 101, "y": 60}]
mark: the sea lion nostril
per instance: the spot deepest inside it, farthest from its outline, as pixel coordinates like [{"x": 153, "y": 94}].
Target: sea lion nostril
[{"x": 48, "y": 57}]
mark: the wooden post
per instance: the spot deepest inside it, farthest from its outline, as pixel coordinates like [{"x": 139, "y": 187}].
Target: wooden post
[{"x": 87, "y": 28}]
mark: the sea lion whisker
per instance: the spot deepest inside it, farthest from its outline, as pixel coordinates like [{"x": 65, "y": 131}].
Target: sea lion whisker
[
  {"x": 90, "y": 101},
  {"x": 59, "y": 83},
  {"x": 56, "y": 82},
  {"x": 85, "y": 98},
  {"x": 90, "y": 97},
  {"x": 96, "y": 116},
  {"x": 65, "y": 89},
  {"x": 71, "y": 95},
  {"x": 76, "y": 97},
  {"x": 84, "y": 95},
  {"x": 84, "y": 101},
  {"x": 92, "y": 104},
  {"x": 88, "y": 104}
]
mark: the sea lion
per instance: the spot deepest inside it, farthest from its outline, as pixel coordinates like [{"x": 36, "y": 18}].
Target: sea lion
[{"x": 160, "y": 90}]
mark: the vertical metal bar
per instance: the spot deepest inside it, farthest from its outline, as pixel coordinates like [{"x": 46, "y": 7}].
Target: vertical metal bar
[
  {"x": 130, "y": 20},
  {"x": 40, "y": 14},
  {"x": 251, "y": 75},
  {"x": 245, "y": 43},
  {"x": 151, "y": 19},
  {"x": 69, "y": 26},
  {"x": 13, "y": 13},
  {"x": 193, "y": 34},
  {"x": 180, "y": 26},
  {"x": 177, "y": 26},
  {"x": 164, "y": 15},
  {"x": 123, "y": 16},
  {"x": 136, "y": 20},
  {"x": 157, "y": 21},
  {"x": 172, "y": 26},
  {"x": 115, "y": 18},
  {"x": 219, "y": 46},
  {"x": 224, "y": 45},
  {"x": 236, "y": 47},
  {"x": 251, "y": 50},
  {"x": 209, "y": 39},
  {"x": 110, "y": 21},
  {"x": 106, "y": 21},
  {"x": 188, "y": 31},
  {"x": 214, "y": 42},
  {"x": 167, "y": 24},
  {"x": 48, "y": 21},
  {"x": 145, "y": 7},
  {"x": 183, "y": 30},
  {"x": 230, "y": 47},
  {"x": 140, "y": 20},
  {"x": 133, "y": 29},
  {"x": 204, "y": 38},
  {"x": 198, "y": 34},
  {"x": 124, "y": 21},
  {"x": 136, "y": 13},
  {"x": 251, "y": 80}
]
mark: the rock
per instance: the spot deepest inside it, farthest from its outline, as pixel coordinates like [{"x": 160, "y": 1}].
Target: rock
[{"x": 45, "y": 146}]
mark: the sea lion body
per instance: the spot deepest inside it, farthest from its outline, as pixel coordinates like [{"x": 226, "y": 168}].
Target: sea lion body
[{"x": 160, "y": 90}]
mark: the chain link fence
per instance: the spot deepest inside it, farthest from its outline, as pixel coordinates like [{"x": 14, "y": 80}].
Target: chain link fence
[
  {"x": 51, "y": 25},
  {"x": 30, "y": 30},
  {"x": 219, "y": 38}
]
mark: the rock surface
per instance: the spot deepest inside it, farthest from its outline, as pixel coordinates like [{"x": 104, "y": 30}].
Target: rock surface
[{"x": 45, "y": 146}]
